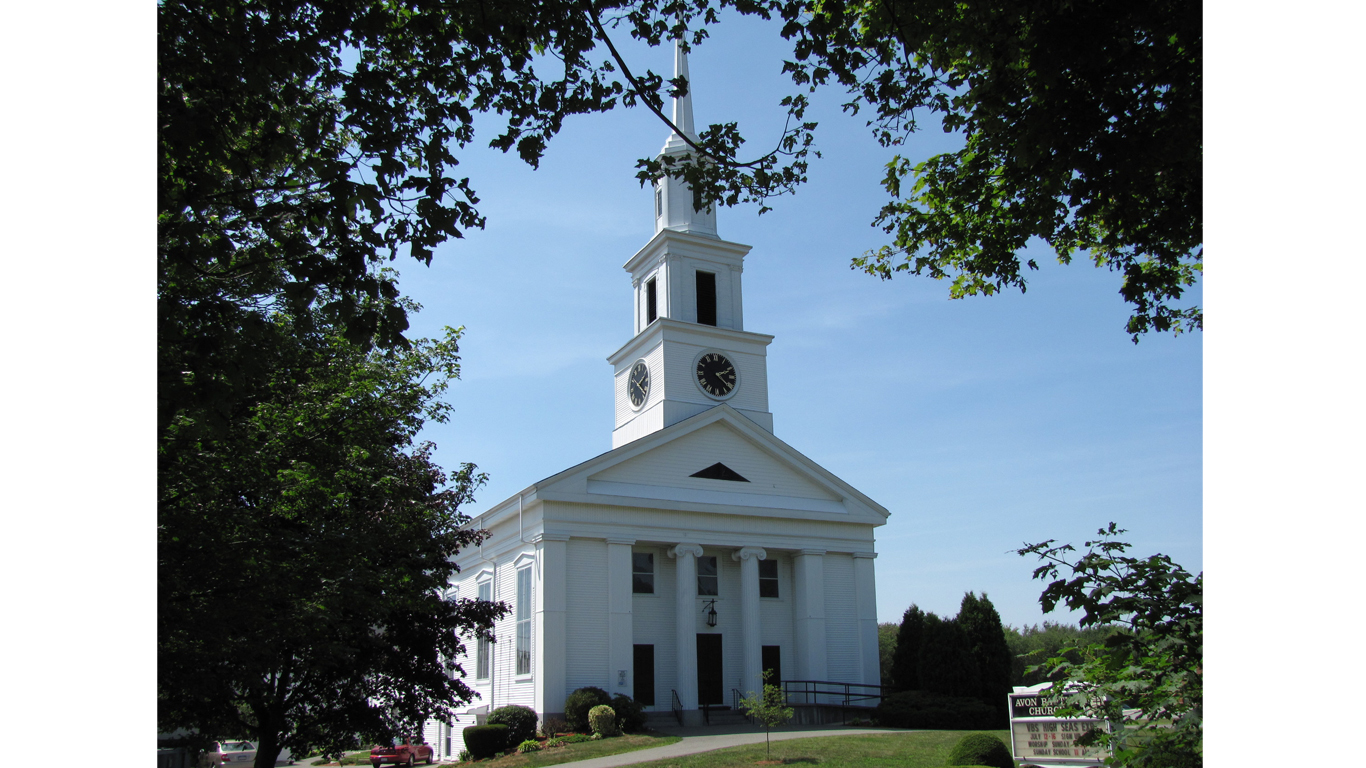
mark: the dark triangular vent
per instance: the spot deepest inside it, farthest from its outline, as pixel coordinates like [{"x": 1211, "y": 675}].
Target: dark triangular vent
[{"x": 719, "y": 471}]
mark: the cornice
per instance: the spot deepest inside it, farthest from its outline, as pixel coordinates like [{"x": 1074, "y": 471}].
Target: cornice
[{"x": 668, "y": 329}]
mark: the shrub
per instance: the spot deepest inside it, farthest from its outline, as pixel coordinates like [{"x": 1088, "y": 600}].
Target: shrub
[
  {"x": 630, "y": 713},
  {"x": 922, "y": 709},
  {"x": 578, "y": 703},
  {"x": 981, "y": 749},
  {"x": 553, "y": 726},
  {"x": 576, "y": 738},
  {"x": 554, "y": 742},
  {"x": 464, "y": 756},
  {"x": 530, "y": 745},
  {"x": 520, "y": 720},
  {"x": 603, "y": 720},
  {"x": 486, "y": 740}
]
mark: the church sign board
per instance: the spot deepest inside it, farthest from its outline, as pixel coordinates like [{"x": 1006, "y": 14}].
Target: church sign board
[{"x": 1039, "y": 737}]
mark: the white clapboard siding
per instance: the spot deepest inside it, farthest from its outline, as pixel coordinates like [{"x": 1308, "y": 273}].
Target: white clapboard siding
[
  {"x": 652, "y": 623},
  {"x": 841, "y": 620},
  {"x": 775, "y": 615},
  {"x": 729, "y": 622},
  {"x": 586, "y": 615}
]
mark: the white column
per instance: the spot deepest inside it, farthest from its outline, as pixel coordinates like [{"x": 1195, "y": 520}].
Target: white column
[
  {"x": 619, "y": 635},
  {"x": 750, "y": 627},
  {"x": 865, "y": 595},
  {"x": 685, "y": 620},
  {"x": 550, "y": 596},
  {"x": 808, "y": 613}
]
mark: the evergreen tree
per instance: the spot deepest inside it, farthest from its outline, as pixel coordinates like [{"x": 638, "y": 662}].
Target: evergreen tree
[
  {"x": 946, "y": 665},
  {"x": 987, "y": 643},
  {"x": 906, "y": 656}
]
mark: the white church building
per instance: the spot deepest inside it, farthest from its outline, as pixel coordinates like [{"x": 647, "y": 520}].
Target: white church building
[{"x": 700, "y": 550}]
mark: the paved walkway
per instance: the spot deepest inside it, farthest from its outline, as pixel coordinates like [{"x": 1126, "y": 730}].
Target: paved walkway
[{"x": 707, "y": 739}]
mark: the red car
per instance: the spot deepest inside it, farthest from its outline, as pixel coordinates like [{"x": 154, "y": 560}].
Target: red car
[{"x": 401, "y": 753}]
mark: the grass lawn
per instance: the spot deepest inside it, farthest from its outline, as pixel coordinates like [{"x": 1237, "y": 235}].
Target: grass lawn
[
  {"x": 582, "y": 751},
  {"x": 920, "y": 749}
]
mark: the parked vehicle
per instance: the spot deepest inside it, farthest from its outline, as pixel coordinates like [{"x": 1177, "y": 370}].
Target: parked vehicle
[
  {"x": 404, "y": 751},
  {"x": 237, "y": 753}
]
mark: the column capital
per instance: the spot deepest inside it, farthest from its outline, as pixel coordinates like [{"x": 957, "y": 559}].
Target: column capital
[
  {"x": 811, "y": 552},
  {"x": 869, "y": 555},
  {"x": 619, "y": 540},
  {"x": 540, "y": 537},
  {"x": 686, "y": 549},
  {"x": 746, "y": 553}
]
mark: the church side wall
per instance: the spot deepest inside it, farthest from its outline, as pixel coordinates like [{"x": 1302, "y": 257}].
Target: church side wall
[
  {"x": 586, "y": 615},
  {"x": 844, "y": 659}
]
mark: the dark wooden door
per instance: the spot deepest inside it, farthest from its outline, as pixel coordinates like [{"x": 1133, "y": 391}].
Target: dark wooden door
[
  {"x": 709, "y": 687},
  {"x": 772, "y": 660},
  {"x": 643, "y": 672}
]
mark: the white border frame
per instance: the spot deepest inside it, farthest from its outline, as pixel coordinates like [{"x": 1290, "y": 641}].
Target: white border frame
[
  {"x": 692, "y": 373},
  {"x": 648, "y": 389}
]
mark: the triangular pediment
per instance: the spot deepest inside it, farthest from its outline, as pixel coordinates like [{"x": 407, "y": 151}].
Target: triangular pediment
[
  {"x": 676, "y": 462},
  {"x": 676, "y": 468}
]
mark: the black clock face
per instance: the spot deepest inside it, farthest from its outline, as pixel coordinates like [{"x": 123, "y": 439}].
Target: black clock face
[
  {"x": 638, "y": 384},
  {"x": 715, "y": 374}
]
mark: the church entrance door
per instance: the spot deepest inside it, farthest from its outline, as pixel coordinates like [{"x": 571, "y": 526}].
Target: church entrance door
[{"x": 709, "y": 685}]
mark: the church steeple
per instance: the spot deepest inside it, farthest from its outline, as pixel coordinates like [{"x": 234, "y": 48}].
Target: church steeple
[{"x": 673, "y": 199}]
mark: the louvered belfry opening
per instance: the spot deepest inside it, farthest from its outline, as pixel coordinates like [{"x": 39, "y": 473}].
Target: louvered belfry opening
[{"x": 719, "y": 471}]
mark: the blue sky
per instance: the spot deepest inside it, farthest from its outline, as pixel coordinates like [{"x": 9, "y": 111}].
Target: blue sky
[{"x": 981, "y": 424}]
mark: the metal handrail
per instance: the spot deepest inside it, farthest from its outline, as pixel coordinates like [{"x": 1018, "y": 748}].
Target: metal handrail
[
  {"x": 678, "y": 707},
  {"x": 735, "y": 704},
  {"x": 850, "y": 694}
]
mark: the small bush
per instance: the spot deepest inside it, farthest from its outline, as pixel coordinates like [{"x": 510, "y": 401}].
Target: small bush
[
  {"x": 553, "y": 726},
  {"x": 603, "y": 720},
  {"x": 934, "y": 711},
  {"x": 556, "y": 741},
  {"x": 576, "y": 738},
  {"x": 630, "y": 713},
  {"x": 981, "y": 749},
  {"x": 578, "y": 703},
  {"x": 464, "y": 756},
  {"x": 520, "y": 720},
  {"x": 530, "y": 745},
  {"x": 486, "y": 740}
]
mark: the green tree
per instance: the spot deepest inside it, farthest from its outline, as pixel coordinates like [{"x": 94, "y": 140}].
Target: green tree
[
  {"x": 1146, "y": 675},
  {"x": 769, "y": 708},
  {"x": 945, "y": 661},
  {"x": 1081, "y": 123},
  {"x": 987, "y": 644},
  {"x": 304, "y": 547},
  {"x": 1030, "y": 646},
  {"x": 905, "y": 669},
  {"x": 886, "y": 648}
]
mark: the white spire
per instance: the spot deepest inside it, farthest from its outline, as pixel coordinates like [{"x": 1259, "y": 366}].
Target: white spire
[
  {"x": 673, "y": 198},
  {"x": 683, "y": 105}
]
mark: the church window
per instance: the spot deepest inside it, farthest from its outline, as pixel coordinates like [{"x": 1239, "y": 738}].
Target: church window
[
  {"x": 706, "y": 577},
  {"x": 643, "y": 573},
  {"x": 706, "y": 298},
  {"x": 524, "y": 621},
  {"x": 481, "y": 650},
  {"x": 659, "y": 201},
  {"x": 768, "y": 578},
  {"x": 651, "y": 306}
]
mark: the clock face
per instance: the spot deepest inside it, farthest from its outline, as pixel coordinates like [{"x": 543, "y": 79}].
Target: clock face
[
  {"x": 715, "y": 374},
  {"x": 638, "y": 384}
]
